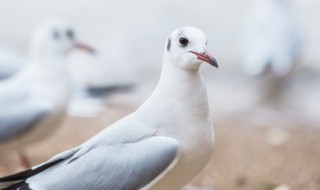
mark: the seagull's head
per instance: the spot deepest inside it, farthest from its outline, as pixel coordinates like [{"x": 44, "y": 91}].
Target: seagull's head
[
  {"x": 55, "y": 38},
  {"x": 186, "y": 47}
]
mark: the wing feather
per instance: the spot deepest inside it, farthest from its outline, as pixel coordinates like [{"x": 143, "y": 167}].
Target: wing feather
[{"x": 127, "y": 166}]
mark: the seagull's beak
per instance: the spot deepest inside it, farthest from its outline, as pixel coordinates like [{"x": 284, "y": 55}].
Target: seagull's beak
[
  {"x": 84, "y": 47},
  {"x": 206, "y": 57}
]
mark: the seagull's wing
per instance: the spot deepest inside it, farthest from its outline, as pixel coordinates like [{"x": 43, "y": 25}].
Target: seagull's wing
[
  {"x": 21, "y": 116},
  {"x": 131, "y": 165}
]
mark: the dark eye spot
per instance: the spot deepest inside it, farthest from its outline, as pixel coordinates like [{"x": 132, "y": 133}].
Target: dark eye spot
[
  {"x": 70, "y": 34},
  {"x": 206, "y": 43},
  {"x": 55, "y": 34},
  {"x": 183, "y": 41}
]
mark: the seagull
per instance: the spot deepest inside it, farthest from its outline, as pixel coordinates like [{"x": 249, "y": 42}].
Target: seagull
[
  {"x": 33, "y": 101},
  {"x": 272, "y": 48},
  {"x": 272, "y": 38},
  {"x": 91, "y": 80},
  {"x": 164, "y": 144}
]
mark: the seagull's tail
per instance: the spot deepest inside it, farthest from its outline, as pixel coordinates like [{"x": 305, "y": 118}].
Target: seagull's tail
[
  {"x": 103, "y": 91},
  {"x": 15, "y": 181},
  {"x": 15, "y": 185},
  {"x": 18, "y": 180}
]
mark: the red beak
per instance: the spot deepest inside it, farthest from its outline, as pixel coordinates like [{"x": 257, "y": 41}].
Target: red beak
[
  {"x": 206, "y": 57},
  {"x": 84, "y": 47}
]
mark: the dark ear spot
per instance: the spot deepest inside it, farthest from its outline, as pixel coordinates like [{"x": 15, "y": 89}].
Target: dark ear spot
[
  {"x": 55, "y": 34},
  {"x": 169, "y": 44}
]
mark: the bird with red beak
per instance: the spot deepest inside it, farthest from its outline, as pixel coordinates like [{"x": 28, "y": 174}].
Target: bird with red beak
[
  {"x": 163, "y": 145},
  {"x": 34, "y": 101}
]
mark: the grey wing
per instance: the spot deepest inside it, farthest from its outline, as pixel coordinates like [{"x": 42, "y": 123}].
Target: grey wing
[
  {"x": 122, "y": 167},
  {"x": 20, "y": 117}
]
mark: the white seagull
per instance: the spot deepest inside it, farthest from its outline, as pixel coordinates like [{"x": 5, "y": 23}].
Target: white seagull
[
  {"x": 33, "y": 101},
  {"x": 162, "y": 145},
  {"x": 272, "y": 39}
]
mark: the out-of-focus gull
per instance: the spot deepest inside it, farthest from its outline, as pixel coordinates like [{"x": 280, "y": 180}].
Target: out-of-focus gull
[
  {"x": 271, "y": 38},
  {"x": 273, "y": 46},
  {"x": 92, "y": 80},
  {"x": 33, "y": 101},
  {"x": 162, "y": 145}
]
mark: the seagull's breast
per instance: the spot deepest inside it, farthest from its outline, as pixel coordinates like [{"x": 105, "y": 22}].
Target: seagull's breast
[
  {"x": 190, "y": 125},
  {"x": 196, "y": 141}
]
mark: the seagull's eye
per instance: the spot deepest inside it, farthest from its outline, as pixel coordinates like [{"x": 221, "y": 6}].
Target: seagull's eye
[
  {"x": 183, "y": 41},
  {"x": 70, "y": 34},
  {"x": 55, "y": 34}
]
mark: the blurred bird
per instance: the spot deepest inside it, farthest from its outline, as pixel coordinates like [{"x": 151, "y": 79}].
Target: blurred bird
[
  {"x": 272, "y": 43},
  {"x": 162, "y": 145},
  {"x": 272, "y": 38},
  {"x": 33, "y": 101},
  {"x": 92, "y": 81}
]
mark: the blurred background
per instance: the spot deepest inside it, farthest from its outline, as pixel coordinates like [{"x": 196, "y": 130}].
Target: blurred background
[{"x": 266, "y": 123}]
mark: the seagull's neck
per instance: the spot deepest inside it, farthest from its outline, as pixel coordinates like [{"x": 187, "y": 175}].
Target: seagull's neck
[
  {"x": 49, "y": 66},
  {"x": 180, "y": 94},
  {"x": 174, "y": 82}
]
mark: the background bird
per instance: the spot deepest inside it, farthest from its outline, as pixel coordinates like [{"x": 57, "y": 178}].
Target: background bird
[
  {"x": 273, "y": 45},
  {"x": 162, "y": 145},
  {"x": 92, "y": 80},
  {"x": 33, "y": 102}
]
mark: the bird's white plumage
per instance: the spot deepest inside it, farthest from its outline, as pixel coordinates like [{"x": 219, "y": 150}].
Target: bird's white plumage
[{"x": 162, "y": 145}]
